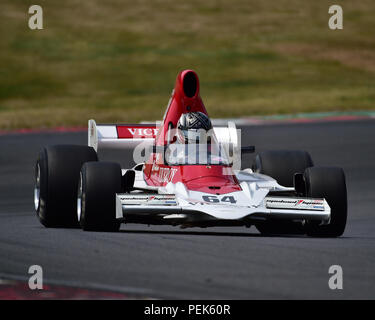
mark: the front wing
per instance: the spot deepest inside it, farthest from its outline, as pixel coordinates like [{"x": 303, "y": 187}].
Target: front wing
[{"x": 168, "y": 209}]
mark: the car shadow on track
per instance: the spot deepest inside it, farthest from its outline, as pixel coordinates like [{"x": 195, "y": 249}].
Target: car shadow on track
[{"x": 211, "y": 233}]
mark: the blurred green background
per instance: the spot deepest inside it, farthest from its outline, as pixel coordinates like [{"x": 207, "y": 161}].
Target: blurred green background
[{"x": 117, "y": 60}]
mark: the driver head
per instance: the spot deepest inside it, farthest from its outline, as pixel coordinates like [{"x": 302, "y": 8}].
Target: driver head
[{"x": 193, "y": 127}]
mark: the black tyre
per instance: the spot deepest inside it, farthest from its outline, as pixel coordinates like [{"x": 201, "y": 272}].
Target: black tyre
[
  {"x": 282, "y": 164},
  {"x": 56, "y": 182},
  {"x": 328, "y": 183},
  {"x": 99, "y": 183}
]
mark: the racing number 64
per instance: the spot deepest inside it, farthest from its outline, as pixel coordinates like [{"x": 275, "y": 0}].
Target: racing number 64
[{"x": 215, "y": 199}]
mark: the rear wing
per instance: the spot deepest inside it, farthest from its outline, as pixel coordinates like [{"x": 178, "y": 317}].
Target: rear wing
[
  {"x": 120, "y": 135},
  {"x": 129, "y": 136}
]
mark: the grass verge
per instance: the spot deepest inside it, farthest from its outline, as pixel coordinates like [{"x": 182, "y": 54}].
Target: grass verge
[{"x": 116, "y": 61}]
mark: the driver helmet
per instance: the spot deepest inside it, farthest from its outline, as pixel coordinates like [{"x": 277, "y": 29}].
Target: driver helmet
[{"x": 192, "y": 127}]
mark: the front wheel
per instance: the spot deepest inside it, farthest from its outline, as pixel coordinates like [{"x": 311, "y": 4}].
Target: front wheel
[
  {"x": 96, "y": 202},
  {"x": 328, "y": 183}
]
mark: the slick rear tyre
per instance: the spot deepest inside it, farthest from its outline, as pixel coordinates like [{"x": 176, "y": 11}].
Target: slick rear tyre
[
  {"x": 96, "y": 204},
  {"x": 282, "y": 164},
  {"x": 328, "y": 183},
  {"x": 56, "y": 181}
]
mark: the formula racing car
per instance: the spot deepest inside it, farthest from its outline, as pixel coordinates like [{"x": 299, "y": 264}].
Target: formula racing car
[{"x": 188, "y": 173}]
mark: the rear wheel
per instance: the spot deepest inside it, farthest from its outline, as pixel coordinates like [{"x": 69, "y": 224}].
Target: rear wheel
[
  {"x": 282, "y": 165},
  {"x": 328, "y": 183},
  {"x": 96, "y": 202},
  {"x": 56, "y": 181}
]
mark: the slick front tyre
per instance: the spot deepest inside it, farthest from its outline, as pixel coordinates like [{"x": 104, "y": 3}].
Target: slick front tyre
[
  {"x": 96, "y": 205},
  {"x": 328, "y": 183},
  {"x": 56, "y": 182}
]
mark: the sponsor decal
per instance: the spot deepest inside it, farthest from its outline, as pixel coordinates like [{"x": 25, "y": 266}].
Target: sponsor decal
[
  {"x": 149, "y": 200},
  {"x": 163, "y": 174},
  {"x": 138, "y": 132},
  {"x": 319, "y": 207},
  {"x": 302, "y": 204}
]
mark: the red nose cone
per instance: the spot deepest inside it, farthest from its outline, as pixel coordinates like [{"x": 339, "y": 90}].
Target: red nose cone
[
  {"x": 213, "y": 185},
  {"x": 209, "y": 179}
]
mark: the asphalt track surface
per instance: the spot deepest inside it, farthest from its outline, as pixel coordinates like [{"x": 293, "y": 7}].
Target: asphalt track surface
[{"x": 216, "y": 263}]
